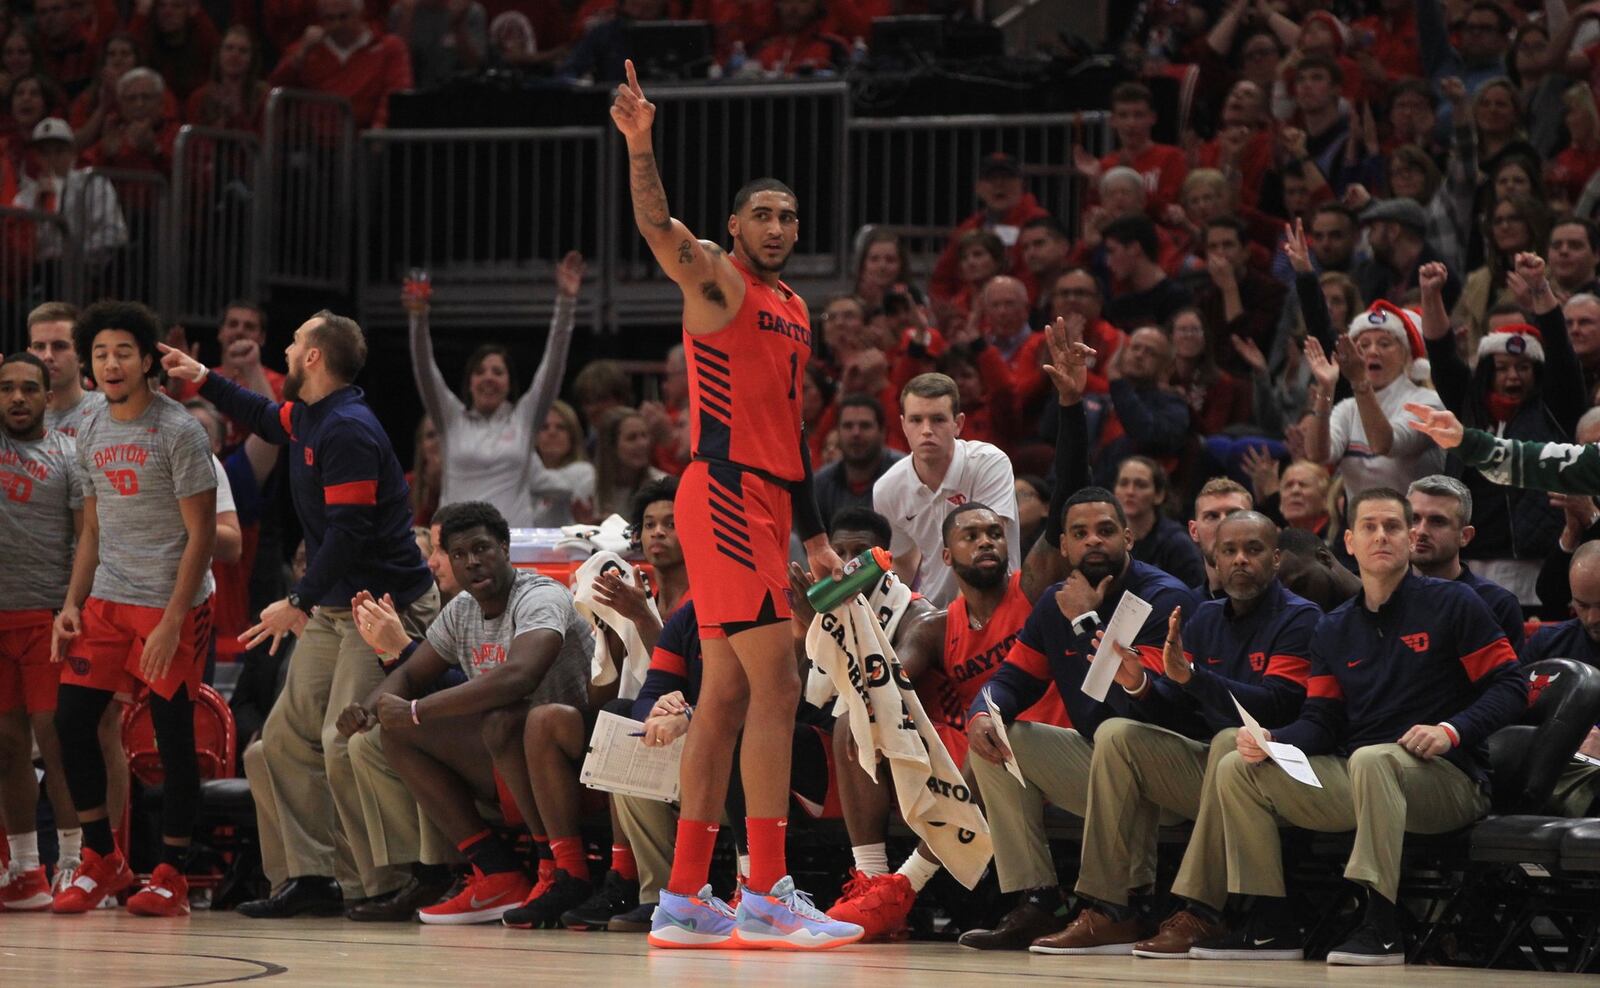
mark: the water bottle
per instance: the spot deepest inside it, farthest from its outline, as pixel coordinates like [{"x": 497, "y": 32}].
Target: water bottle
[
  {"x": 860, "y": 574},
  {"x": 736, "y": 60}
]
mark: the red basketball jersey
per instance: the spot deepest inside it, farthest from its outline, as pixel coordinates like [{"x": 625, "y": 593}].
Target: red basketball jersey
[
  {"x": 971, "y": 655},
  {"x": 746, "y": 381}
]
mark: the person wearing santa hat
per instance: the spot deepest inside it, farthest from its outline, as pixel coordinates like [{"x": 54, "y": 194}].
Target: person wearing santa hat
[
  {"x": 1364, "y": 439},
  {"x": 1527, "y": 385}
]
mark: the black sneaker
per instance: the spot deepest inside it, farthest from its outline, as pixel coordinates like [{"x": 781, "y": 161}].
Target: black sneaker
[
  {"x": 564, "y": 893},
  {"x": 1368, "y": 947},
  {"x": 1268, "y": 936},
  {"x": 635, "y": 920},
  {"x": 614, "y": 896}
]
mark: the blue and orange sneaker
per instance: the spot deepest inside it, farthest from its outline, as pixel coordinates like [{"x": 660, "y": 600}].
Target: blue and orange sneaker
[
  {"x": 702, "y": 922},
  {"x": 785, "y": 919}
]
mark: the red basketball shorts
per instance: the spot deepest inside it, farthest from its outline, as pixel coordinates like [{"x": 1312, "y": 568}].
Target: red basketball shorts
[
  {"x": 28, "y": 678},
  {"x": 734, "y": 529},
  {"x": 106, "y": 654}
]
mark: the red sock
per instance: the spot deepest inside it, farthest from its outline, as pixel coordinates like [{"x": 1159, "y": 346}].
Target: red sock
[
  {"x": 691, "y": 856},
  {"x": 569, "y": 857},
  {"x": 767, "y": 863},
  {"x": 622, "y": 862}
]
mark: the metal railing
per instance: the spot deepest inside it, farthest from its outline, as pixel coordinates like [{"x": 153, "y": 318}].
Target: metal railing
[
  {"x": 138, "y": 267},
  {"x": 485, "y": 212},
  {"x": 29, "y": 277},
  {"x": 216, "y": 178},
  {"x": 303, "y": 215}
]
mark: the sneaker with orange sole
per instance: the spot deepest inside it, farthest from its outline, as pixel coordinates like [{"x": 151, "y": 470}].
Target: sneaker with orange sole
[
  {"x": 879, "y": 904},
  {"x": 98, "y": 878},
  {"x": 485, "y": 899},
  {"x": 24, "y": 890},
  {"x": 165, "y": 895}
]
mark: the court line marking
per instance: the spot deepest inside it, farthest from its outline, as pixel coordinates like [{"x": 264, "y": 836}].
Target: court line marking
[{"x": 268, "y": 969}]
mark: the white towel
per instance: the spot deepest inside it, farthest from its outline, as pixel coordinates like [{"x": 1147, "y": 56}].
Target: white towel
[
  {"x": 888, "y": 599},
  {"x": 603, "y": 666},
  {"x": 887, "y": 719}
]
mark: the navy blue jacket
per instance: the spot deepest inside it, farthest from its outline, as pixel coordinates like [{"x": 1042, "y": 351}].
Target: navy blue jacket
[
  {"x": 1263, "y": 658},
  {"x": 348, "y": 488},
  {"x": 1431, "y": 654},
  {"x": 1048, "y": 648},
  {"x": 675, "y": 663},
  {"x": 1503, "y": 604},
  {"x": 1566, "y": 640},
  {"x": 1167, "y": 546}
]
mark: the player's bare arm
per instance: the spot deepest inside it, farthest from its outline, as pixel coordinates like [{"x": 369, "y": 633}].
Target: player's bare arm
[
  {"x": 85, "y": 560},
  {"x": 530, "y": 657},
  {"x": 921, "y": 639},
  {"x": 712, "y": 289}
]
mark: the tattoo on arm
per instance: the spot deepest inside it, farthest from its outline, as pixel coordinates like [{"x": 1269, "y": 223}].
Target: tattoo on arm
[
  {"x": 686, "y": 252},
  {"x": 649, "y": 198},
  {"x": 713, "y": 293}
]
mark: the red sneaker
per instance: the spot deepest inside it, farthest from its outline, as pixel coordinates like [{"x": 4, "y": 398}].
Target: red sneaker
[
  {"x": 485, "y": 899},
  {"x": 166, "y": 894},
  {"x": 879, "y": 904},
  {"x": 24, "y": 891},
  {"x": 98, "y": 877}
]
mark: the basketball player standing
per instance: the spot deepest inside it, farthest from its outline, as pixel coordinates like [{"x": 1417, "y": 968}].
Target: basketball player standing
[{"x": 748, "y": 337}]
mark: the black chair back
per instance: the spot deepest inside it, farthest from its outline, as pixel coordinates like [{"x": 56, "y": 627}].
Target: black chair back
[{"x": 1526, "y": 759}]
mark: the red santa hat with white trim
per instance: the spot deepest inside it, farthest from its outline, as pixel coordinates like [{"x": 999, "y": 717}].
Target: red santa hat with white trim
[
  {"x": 1516, "y": 339},
  {"x": 1404, "y": 325}
]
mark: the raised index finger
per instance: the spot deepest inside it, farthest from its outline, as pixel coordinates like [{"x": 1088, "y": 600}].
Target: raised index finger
[{"x": 633, "y": 78}]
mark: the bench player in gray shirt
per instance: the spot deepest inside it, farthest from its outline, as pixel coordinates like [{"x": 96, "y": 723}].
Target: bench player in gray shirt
[
  {"x": 41, "y": 510},
  {"x": 521, "y": 643},
  {"x": 135, "y": 612}
]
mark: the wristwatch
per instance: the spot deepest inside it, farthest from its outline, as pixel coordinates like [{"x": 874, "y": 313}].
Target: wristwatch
[{"x": 297, "y": 603}]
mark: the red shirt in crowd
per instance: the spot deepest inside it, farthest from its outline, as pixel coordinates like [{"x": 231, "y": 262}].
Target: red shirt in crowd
[
  {"x": 186, "y": 64},
  {"x": 810, "y": 50},
  {"x": 72, "y": 62},
  {"x": 1394, "y": 45},
  {"x": 1570, "y": 171},
  {"x": 946, "y": 280},
  {"x": 365, "y": 75},
  {"x": 1163, "y": 167},
  {"x": 1254, "y": 161}
]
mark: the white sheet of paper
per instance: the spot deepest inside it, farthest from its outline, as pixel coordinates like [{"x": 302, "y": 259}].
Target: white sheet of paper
[
  {"x": 1000, "y": 730},
  {"x": 1123, "y": 628},
  {"x": 618, "y": 762},
  {"x": 1289, "y": 758},
  {"x": 1294, "y": 762},
  {"x": 1577, "y": 756}
]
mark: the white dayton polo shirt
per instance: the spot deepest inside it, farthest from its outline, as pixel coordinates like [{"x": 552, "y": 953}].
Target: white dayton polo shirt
[{"x": 978, "y": 472}]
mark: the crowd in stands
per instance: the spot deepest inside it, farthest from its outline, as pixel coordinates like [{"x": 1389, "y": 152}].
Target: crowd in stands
[{"x": 1229, "y": 389}]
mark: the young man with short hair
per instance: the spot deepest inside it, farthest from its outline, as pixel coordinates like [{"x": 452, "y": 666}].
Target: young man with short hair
[
  {"x": 942, "y": 472},
  {"x": 135, "y": 612},
  {"x": 1161, "y": 166},
  {"x": 863, "y": 458},
  {"x": 50, "y": 339},
  {"x": 1219, "y": 497},
  {"x": 41, "y": 512},
  {"x": 1148, "y": 297},
  {"x": 1441, "y": 526},
  {"x": 522, "y": 644}
]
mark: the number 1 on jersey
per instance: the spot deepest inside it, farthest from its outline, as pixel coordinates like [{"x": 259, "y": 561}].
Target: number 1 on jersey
[{"x": 794, "y": 373}]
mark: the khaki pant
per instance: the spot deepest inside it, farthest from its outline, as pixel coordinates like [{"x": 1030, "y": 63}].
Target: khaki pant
[
  {"x": 1141, "y": 776},
  {"x": 1055, "y": 763},
  {"x": 306, "y": 792},
  {"x": 1381, "y": 792},
  {"x": 651, "y": 828},
  {"x": 1203, "y": 876},
  {"x": 1575, "y": 790},
  {"x": 398, "y": 832},
  {"x": 271, "y": 835}
]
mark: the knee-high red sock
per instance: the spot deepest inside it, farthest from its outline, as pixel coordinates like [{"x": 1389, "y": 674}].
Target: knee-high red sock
[
  {"x": 691, "y": 856},
  {"x": 622, "y": 862},
  {"x": 767, "y": 862}
]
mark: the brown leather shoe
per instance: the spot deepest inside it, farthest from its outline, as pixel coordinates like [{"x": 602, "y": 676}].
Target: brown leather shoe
[
  {"x": 1018, "y": 928},
  {"x": 1180, "y": 931},
  {"x": 1093, "y": 932}
]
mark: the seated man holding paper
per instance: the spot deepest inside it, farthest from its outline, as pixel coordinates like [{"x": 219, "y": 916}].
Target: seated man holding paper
[
  {"x": 665, "y": 705},
  {"x": 1249, "y": 648},
  {"x": 1056, "y": 644},
  {"x": 1408, "y": 680},
  {"x": 521, "y": 643}
]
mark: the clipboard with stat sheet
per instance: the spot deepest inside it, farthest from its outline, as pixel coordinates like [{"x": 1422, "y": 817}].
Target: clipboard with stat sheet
[{"x": 619, "y": 761}]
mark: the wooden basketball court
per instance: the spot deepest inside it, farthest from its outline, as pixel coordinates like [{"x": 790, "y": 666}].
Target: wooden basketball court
[{"x": 115, "y": 950}]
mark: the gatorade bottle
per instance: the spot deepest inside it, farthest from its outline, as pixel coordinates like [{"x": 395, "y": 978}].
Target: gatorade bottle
[{"x": 860, "y": 574}]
